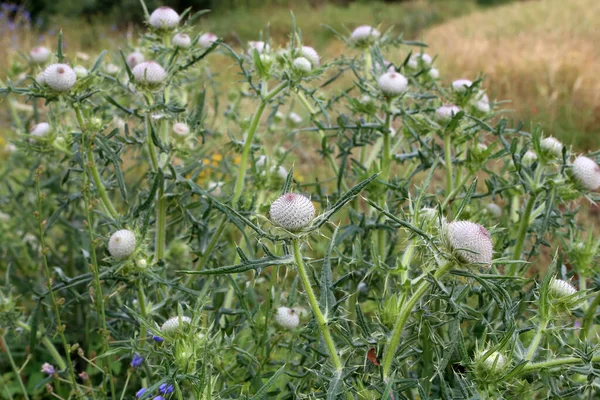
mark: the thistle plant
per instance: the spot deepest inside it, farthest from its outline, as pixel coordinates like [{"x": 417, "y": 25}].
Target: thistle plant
[{"x": 356, "y": 226}]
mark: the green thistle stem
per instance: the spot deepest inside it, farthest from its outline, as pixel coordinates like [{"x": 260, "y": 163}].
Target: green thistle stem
[
  {"x": 588, "y": 318},
  {"x": 14, "y": 367},
  {"x": 535, "y": 342},
  {"x": 448, "y": 161},
  {"x": 524, "y": 224},
  {"x": 556, "y": 362}
]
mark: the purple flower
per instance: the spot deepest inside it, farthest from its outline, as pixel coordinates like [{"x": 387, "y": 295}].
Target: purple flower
[
  {"x": 166, "y": 389},
  {"x": 577, "y": 324},
  {"x": 137, "y": 360},
  {"x": 48, "y": 369},
  {"x": 158, "y": 339},
  {"x": 140, "y": 393},
  {"x": 158, "y": 398}
]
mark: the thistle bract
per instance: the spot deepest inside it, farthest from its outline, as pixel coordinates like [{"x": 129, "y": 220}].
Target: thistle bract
[
  {"x": 552, "y": 146},
  {"x": 164, "y": 18},
  {"x": 586, "y": 172},
  {"x": 392, "y": 84},
  {"x": 287, "y": 318},
  {"x": 40, "y": 130},
  {"x": 364, "y": 35},
  {"x": 292, "y": 211},
  {"x": 40, "y": 54},
  {"x": 135, "y": 58},
  {"x": 149, "y": 73},
  {"x": 181, "y": 129},
  {"x": 60, "y": 77},
  {"x": 207, "y": 39},
  {"x": 122, "y": 244},
  {"x": 182, "y": 40},
  {"x": 470, "y": 242},
  {"x": 446, "y": 113},
  {"x": 311, "y": 55},
  {"x": 461, "y": 85},
  {"x": 174, "y": 323},
  {"x": 302, "y": 65}
]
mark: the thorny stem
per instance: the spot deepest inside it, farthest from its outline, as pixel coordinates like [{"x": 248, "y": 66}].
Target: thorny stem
[
  {"x": 405, "y": 312},
  {"x": 588, "y": 317},
  {"x": 161, "y": 210},
  {"x": 520, "y": 243},
  {"x": 314, "y": 304},
  {"x": 144, "y": 313},
  {"x": 535, "y": 342},
  {"x": 448, "y": 161},
  {"x": 555, "y": 362},
  {"x": 14, "y": 367}
]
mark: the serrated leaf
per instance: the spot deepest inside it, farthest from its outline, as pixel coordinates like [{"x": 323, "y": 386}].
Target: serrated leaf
[
  {"x": 243, "y": 267},
  {"x": 289, "y": 180},
  {"x": 102, "y": 142},
  {"x": 268, "y": 384},
  {"x": 98, "y": 61},
  {"x": 327, "y": 296}
]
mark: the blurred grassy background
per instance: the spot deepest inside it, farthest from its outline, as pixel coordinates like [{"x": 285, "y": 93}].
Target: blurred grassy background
[{"x": 540, "y": 54}]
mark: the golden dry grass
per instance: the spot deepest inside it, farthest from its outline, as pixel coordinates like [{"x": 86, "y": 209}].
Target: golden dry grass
[{"x": 542, "y": 55}]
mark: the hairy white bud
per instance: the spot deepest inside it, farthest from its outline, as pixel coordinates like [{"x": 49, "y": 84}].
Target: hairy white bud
[
  {"x": 494, "y": 209},
  {"x": 301, "y": 64},
  {"x": 461, "y": 85},
  {"x": 552, "y": 146},
  {"x": 494, "y": 363},
  {"x": 181, "y": 129},
  {"x": 434, "y": 73},
  {"x": 164, "y": 18},
  {"x": 122, "y": 244},
  {"x": 207, "y": 39},
  {"x": 586, "y": 172},
  {"x": 481, "y": 102},
  {"x": 150, "y": 73},
  {"x": 416, "y": 59},
  {"x": 294, "y": 118},
  {"x": 287, "y": 318},
  {"x": 529, "y": 158},
  {"x": 471, "y": 242},
  {"x": 40, "y": 54},
  {"x": 311, "y": 55},
  {"x": 446, "y": 113},
  {"x": 392, "y": 84},
  {"x": 292, "y": 211},
  {"x": 112, "y": 69},
  {"x": 80, "y": 71},
  {"x": 259, "y": 46},
  {"x": 364, "y": 35},
  {"x": 40, "y": 130},
  {"x": 174, "y": 323},
  {"x": 135, "y": 58},
  {"x": 182, "y": 40},
  {"x": 60, "y": 77},
  {"x": 560, "y": 288}
]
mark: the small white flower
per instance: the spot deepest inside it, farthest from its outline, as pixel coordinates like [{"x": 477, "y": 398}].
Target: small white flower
[
  {"x": 560, "y": 288},
  {"x": 392, "y": 84},
  {"x": 40, "y": 130},
  {"x": 164, "y": 18},
  {"x": 446, "y": 113},
  {"x": 292, "y": 211},
  {"x": 122, "y": 244},
  {"x": 294, "y": 118},
  {"x": 364, "y": 35},
  {"x": 149, "y": 72},
  {"x": 80, "y": 71},
  {"x": 182, "y": 40},
  {"x": 302, "y": 65},
  {"x": 174, "y": 323},
  {"x": 60, "y": 77},
  {"x": 494, "y": 209},
  {"x": 529, "y": 158},
  {"x": 207, "y": 39},
  {"x": 461, "y": 85},
  {"x": 434, "y": 73},
  {"x": 40, "y": 54},
  {"x": 261, "y": 162},
  {"x": 287, "y": 318},
  {"x": 135, "y": 58},
  {"x": 586, "y": 172},
  {"x": 259, "y": 46},
  {"x": 423, "y": 59},
  {"x": 112, "y": 69},
  {"x": 552, "y": 146},
  {"x": 181, "y": 129},
  {"x": 311, "y": 55},
  {"x": 470, "y": 241}
]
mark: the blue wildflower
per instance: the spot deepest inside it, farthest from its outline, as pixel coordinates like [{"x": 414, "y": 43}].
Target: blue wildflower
[
  {"x": 137, "y": 360},
  {"x": 140, "y": 393},
  {"x": 158, "y": 398},
  {"x": 166, "y": 389},
  {"x": 158, "y": 339}
]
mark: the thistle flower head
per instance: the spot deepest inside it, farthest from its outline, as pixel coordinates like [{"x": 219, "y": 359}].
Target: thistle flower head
[
  {"x": 122, "y": 244},
  {"x": 311, "y": 55},
  {"x": 259, "y": 46},
  {"x": 470, "y": 242},
  {"x": 481, "y": 102},
  {"x": 181, "y": 129},
  {"x": 446, "y": 113},
  {"x": 164, "y": 18},
  {"x": 392, "y": 84},
  {"x": 40, "y": 54},
  {"x": 59, "y": 77},
  {"x": 560, "y": 288},
  {"x": 586, "y": 172},
  {"x": 182, "y": 40},
  {"x": 302, "y": 65},
  {"x": 80, "y": 71},
  {"x": 552, "y": 146},
  {"x": 292, "y": 211},
  {"x": 207, "y": 39},
  {"x": 494, "y": 363},
  {"x": 434, "y": 73},
  {"x": 287, "y": 318},
  {"x": 149, "y": 73},
  {"x": 423, "y": 59},
  {"x": 48, "y": 369},
  {"x": 135, "y": 58},
  {"x": 364, "y": 35},
  {"x": 40, "y": 130},
  {"x": 112, "y": 69},
  {"x": 174, "y": 323},
  {"x": 529, "y": 158},
  {"x": 461, "y": 85}
]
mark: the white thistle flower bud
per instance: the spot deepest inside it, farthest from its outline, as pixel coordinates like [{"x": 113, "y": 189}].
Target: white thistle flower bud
[
  {"x": 461, "y": 85},
  {"x": 112, "y": 69},
  {"x": 494, "y": 209},
  {"x": 282, "y": 172},
  {"x": 392, "y": 84},
  {"x": 434, "y": 73},
  {"x": 302, "y": 65},
  {"x": 481, "y": 102},
  {"x": 552, "y": 146},
  {"x": 586, "y": 172},
  {"x": 259, "y": 46},
  {"x": 414, "y": 60},
  {"x": 174, "y": 323},
  {"x": 207, "y": 39},
  {"x": 135, "y": 58},
  {"x": 182, "y": 40},
  {"x": 470, "y": 241},
  {"x": 122, "y": 244},
  {"x": 428, "y": 213},
  {"x": 287, "y": 318},
  {"x": 294, "y": 118},
  {"x": 261, "y": 162},
  {"x": 446, "y": 113},
  {"x": 181, "y": 129},
  {"x": 80, "y": 71},
  {"x": 150, "y": 73},
  {"x": 40, "y": 54},
  {"x": 164, "y": 18},
  {"x": 560, "y": 288},
  {"x": 494, "y": 363},
  {"x": 364, "y": 35},
  {"x": 40, "y": 78},
  {"x": 311, "y": 55},
  {"x": 40, "y": 130},
  {"x": 60, "y": 77},
  {"x": 292, "y": 211},
  {"x": 529, "y": 158}
]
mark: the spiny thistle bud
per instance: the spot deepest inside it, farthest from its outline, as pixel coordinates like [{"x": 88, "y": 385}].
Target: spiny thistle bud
[
  {"x": 149, "y": 73},
  {"x": 80, "y": 71},
  {"x": 60, "y": 77},
  {"x": 529, "y": 158},
  {"x": 121, "y": 244},
  {"x": 446, "y": 113},
  {"x": 461, "y": 85},
  {"x": 40, "y": 130},
  {"x": 422, "y": 59},
  {"x": 552, "y": 146},
  {"x": 181, "y": 129},
  {"x": 434, "y": 73},
  {"x": 207, "y": 39},
  {"x": 302, "y": 65},
  {"x": 173, "y": 324},
  {"x": 364, "y": 35},
  {"x": 586, "y": 172},
  {"x": 494, "y": 363},
  {"x": 471, "y": 242},
  {"x": 311, "y": 55},
  {"x": 135, "y": 58},
  {"x": 259, "y": 46},
  {"x": 40, "y": 54},
  {"x": 182, "y": 40},
  {"x": 292, "y": 211},
  {"x": 481, "y": 102},
  {"x": 287, "y": 318},
  {"x": 164, "y": 18},
  {"x": 560, "y": 288},
  {"x": 392, "y": 84}
]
